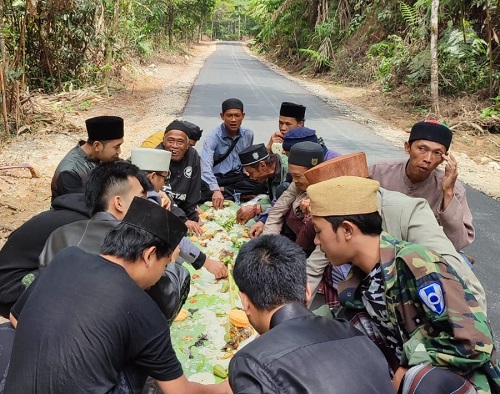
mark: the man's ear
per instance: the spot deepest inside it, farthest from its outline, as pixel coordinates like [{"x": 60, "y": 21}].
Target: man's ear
[
  {"x": 222, "y": 115},
  {"x": 246, "y": 303},
  {"x": 308, "y": 293},
  {"x": 301, "y": 123},
  {"x": 407, "y": 147},
  {"x": 149, "y": 255},
  {"x": 347, "y": 229},
  {"x": 118, "y": 204},
  {"x": 243, "y": 116},
  {"x": 97, "y": 145}
]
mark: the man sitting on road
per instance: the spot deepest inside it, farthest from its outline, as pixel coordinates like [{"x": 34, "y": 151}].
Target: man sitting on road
[
  {"x": 155, "y": 164},
  {"x": 409, "y": 219},
  {"x": 291, "y": 116},
  {"x": 428, "y": 146},
  {"x": 265, "y": 168},
  {"x": 105, "y": 137},
  {"x": 221, "y": 169},
  {"x": 19, "y": 256},
  {"x": 109, "y": 193},
  {"x": 287, "y": 218},
  {"x": 194, "y": 136},
  {"x": 288, "y": 195},
  {"x": 297, "y": 352},
  {"x": 86, "y": 325},
  {"x": 437, "y": 338},
  {"x": 183, "y": 184}
]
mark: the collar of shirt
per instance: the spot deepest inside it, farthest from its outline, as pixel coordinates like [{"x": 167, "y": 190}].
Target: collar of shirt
[
  {"x": 289, "y": 312},
  {"x": 104, "y": 216},
  {"x": 224, "y": 133},
  {"x": 409, "y": 184}
]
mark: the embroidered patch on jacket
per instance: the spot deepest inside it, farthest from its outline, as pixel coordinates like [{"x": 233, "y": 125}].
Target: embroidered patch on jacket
[
  {"x": 432, "y": 296},
  {"x": 188, "y": 171}
]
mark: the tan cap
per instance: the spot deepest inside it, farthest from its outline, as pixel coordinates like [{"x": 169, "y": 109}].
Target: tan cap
[
  {"x": 346, "y": 165},
  {"x": 149, "y": 159},
  {"x": 345, "y": 195}
]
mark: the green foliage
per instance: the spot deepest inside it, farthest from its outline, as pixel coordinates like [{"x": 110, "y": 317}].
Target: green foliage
[
  {"x": 493, "y": 110},
  {"x": 320, "y": 61},
  {"x": 392, "y": 55},
  {"x": 463, "y": 60}
]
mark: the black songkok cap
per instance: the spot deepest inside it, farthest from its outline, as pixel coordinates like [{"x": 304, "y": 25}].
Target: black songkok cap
[
  {"x": 194, "y": 130},
  {"x": 156, "y": 220},
  {"x": 253, "y": 154},
  {"x": 431, "y": 130},
  {"x": 104, "y": 128},
  {"x": 306, "y": 154},
  {"x": 292, "y": 110},
  {"x": 179, "y": 125},
  {"x": 232, "y": 103}
]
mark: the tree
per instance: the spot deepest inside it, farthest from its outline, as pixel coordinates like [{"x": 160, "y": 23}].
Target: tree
[{"x": 434, "y": 57}]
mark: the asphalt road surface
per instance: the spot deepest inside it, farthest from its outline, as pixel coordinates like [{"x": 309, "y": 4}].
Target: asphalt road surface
[{"x": 231, "y": 72}]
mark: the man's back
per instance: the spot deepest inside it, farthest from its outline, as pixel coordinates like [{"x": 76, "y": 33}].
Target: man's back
[
  {"x": 304, "y": 353},
  {"x": 72, "y": 172},
  {"x": 88, "y": 235},
  {"x": 19, "y": 256},
  {"x": 80, "y": 323}
]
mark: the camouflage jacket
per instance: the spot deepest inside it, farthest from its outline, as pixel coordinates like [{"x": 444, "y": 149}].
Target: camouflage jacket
[{"x": 438, "y": 320}]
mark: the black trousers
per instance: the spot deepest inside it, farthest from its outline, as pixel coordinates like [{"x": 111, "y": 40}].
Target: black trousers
[{"x": 233, "y": 183}]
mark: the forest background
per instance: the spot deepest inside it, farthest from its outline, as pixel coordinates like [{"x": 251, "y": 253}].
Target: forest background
[
  {"x": 429, "y": 54},
  {"x": 425, "y": 58}
]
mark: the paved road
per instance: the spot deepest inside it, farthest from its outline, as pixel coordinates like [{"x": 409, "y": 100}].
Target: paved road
[{"x": 231, "y": 72}]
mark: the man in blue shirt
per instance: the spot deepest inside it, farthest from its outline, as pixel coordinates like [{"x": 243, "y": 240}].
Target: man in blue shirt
[{"x": 221, "y": 169}]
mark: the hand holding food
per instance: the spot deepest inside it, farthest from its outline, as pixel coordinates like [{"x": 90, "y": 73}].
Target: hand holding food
[
  {"x": 305, "y": 206},
  {"x": 194, "y": 227},
  {"x": 256, "y": 229},
  {"x": 244, "y": 214},
  {"x": 216, "y": 267},
  {"x": 217, "y": 199}
]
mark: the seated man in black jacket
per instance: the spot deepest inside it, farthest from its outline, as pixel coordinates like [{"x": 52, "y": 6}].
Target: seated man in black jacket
[
  {"x": 297, "y": 351},
  {"x": 105, "y": 137},
  {"x": 87, "y": 326},
  {"x": 19, "y": 255},
  {"x": 184, "y": 177}
]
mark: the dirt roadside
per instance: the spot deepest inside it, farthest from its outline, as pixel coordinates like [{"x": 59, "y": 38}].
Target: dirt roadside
[
  {"x": 478, "y": 156},
  {"x": 156, "y": 94}
]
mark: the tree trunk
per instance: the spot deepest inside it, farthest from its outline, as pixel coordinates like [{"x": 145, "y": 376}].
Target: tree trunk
[
  {"x": 490, "y": 47},
  {"x": 2, "y": 71},
  {"x": 171, "y": 15},
  {"x": 434, "y": 57},
  {"x": 110, "y": 42}
]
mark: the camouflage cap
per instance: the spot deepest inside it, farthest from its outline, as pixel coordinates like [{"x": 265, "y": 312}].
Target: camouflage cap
[{"x": 345, "y": 195}]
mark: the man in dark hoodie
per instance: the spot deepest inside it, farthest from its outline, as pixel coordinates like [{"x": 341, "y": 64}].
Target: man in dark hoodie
[{"x": 19, "y": 255}]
